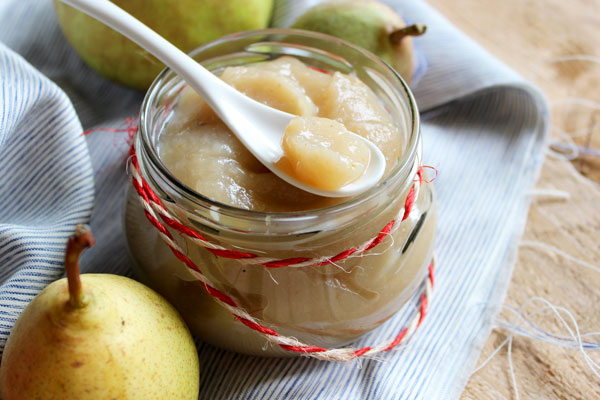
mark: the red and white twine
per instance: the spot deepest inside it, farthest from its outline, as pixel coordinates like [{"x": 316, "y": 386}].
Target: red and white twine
[{"x": 153, "y": 208}]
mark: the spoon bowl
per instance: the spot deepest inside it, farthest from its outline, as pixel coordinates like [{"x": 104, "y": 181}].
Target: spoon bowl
[{"x": 259, "y": 128}]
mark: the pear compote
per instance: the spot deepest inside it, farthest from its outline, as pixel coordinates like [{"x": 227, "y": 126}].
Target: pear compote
[
  {"x": 206, "y": 156},
  {"x": 211, "y": 183},
  {"x": 322, "y": 153}
]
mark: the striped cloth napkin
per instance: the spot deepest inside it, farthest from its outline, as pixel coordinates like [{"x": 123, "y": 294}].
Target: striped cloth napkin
[{"x": 483, "y": 128}]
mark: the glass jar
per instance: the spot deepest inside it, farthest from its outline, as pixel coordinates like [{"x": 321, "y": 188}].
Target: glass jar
[{"x": 322, "y": 305}]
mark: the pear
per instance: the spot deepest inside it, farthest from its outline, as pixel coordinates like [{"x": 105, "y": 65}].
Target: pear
[
  {"x": 98, "y": 336},
  {"x": 369, "y": 24},
  {"x": 185, "y": 23}
]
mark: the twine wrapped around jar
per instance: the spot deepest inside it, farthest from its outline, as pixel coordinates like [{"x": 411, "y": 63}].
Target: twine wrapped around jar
[{"x": 155, "y": 211}]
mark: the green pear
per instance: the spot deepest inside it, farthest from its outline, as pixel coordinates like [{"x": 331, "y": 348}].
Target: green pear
[
  {"x": 369, "y": 24},
  {"x": 185, "y": 23},
  {"x": 98, "y": 336}
]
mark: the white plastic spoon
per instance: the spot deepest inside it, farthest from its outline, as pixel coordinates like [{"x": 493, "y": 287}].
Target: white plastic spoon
[{"x": 260, "y": 128}]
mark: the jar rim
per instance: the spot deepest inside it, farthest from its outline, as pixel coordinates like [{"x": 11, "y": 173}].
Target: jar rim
[{"x": 403, "y": 167}]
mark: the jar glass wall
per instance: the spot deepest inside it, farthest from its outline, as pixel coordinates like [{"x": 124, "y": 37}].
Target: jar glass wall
[{"x": 323, "y": 305}]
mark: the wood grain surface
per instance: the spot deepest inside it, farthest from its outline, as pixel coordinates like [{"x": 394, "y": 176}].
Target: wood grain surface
[{"x": 534, "y": 37}]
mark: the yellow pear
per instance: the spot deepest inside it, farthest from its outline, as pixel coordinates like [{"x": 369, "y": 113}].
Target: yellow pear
[{"x": 98, "y": 336}]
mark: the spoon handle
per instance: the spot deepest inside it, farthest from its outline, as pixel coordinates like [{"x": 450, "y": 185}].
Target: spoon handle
[
  {"x": 187, "y": 68},
  {"x": 233, "y": 108}
]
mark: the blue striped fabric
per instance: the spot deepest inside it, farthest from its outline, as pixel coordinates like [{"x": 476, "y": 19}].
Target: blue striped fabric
[
  {"x": 483, "y": 127},
  {"x": 46, "y": 183}
]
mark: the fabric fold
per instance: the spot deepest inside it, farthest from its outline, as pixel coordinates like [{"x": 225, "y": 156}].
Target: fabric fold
[{"x": 46, "y": 185}]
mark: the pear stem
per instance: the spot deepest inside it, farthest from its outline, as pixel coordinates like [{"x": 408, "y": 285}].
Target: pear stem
[
  {"x": 79, "y": 241},
  {"x": 411, "y": 30}
]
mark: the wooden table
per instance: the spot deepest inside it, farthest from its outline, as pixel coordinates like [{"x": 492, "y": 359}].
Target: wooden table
[{"x": 531, "y": 36}]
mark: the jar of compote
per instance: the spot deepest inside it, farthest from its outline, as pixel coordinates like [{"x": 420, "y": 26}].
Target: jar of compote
[{"x": 355, "y": 261}]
